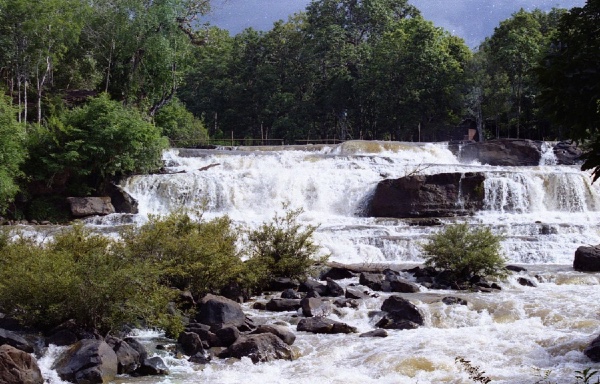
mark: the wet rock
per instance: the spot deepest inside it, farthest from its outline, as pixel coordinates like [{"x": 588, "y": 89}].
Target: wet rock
[
  {"x": 283, "y": 305},
  {"x": 315, "y": 307},
  {"x": 227, "y": 336},
  {"x": 346, "y": 303},
  {"x": 425, "y": 196},
  {"x": 138, "y": 347},
  {"x": 282, "y": 283},
  {"x": 451, "y": 300},
  {"x": 88, "y": 361},
  {"x": 400, "y": 314},
  {"x": 593, "y": 350},
  {"x": 313, "y": 285},
  {"x": 567, "y": 153},
  {"x": 259, "y": 305},
  {"x": 219, "y": 312},
  {"x": 338, "y": 273},
  {"x": 280, "y": 331},
  {"x": 62, "y": 338},
  {"x": 526, "y": 282},
  {"x": 88, "y": 206},
  {"x": 122, "y": 201},
  {"x": 371, "y": 280},
  {"x": 334, "y": 289},
  {"x": 324, "y": 325},
  {"x": 153, "y": 366},
  {"x": 190, "y": 343},
  {"x": 516, "y": 268},
  {"x": 355, "y": 293},
  {"x": 14, "y": 340},
  {"x": 18, "y": 367},
  {"x": 376, "y": 333},
  {"x": 290, "y": 294},
  {"x": 260, "y": 348},
  {"x": 128, "y": 359},
  {"x": 201, "y": 357},
  {"x": 587, "y": 259},
  {"x": 402, "y": 285},
  {"x": 505, "y": 152}
]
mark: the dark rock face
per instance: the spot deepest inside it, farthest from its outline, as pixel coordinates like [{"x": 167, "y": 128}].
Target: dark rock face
[
  {"x": 121, "y": 200},
  {"x": 355, "y": 293},
  {"x": 324, "y": 325},
  {"x": 451, "y": 300},
  {"x": 128, "y": 359},
  {"x": 312, "y": 285},
  {"x": 18, "y": 367},
  {"x": 190, "y": 343},
  {"x": 401, "y": 314},
  {"x": 88, "y": 361},
  {"x": 14, "y": 340},
  {"x": 371, "y": 280},
  {"x": 375, "y": 333},
  {"x": 593, "y": 350},
  {"x": 227, "y": 336},
  {"x": 219, "y": 312},
  {"x": 526, "y": 282},
  {"x": 587, "y": 259},
  {"x": 290, "y": 294},
  {"x": 337, "y": 273},
  {"x": 88, "y": 206},
  {"x": 400, "y": 285},
  {"x": 505, "y": 152},
  {"x": 281, "y": 283},
  {"x": 260, "y": 348},
  {"x": 440, "y": 195},
  {"x": 62, "y": 338},
  {"x": 315, "y": 307},
  {"x": 282, "y": 332},
  {"x": 334, "y": 289},
  {"x": 153, "y": 366},
  {"x": 283, "y": 305},
  {"x": 567, "y": 153}
]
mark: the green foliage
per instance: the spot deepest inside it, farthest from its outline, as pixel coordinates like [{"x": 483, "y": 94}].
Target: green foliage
[
  {"x": 180, "y": 125},
  {"x": 51, "y": 208},
  {"x": 281, "y": 248},
  {"x": 92, "y": 144},
  {"x": 82, "y": 276},
  {"x": 465, "y": 251},
  {"x": 12, "y": 152},
  {"x": 199, "y": 256}
]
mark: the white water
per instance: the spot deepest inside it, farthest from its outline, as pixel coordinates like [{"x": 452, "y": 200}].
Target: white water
[{"x": 545, "y": 212}]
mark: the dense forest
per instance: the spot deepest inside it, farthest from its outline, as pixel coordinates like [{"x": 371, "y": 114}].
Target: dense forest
[{"x": 95, "y": 90}]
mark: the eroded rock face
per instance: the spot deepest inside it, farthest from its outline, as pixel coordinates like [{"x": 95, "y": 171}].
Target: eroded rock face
[
  {"x": 88, "y": 361},
  {"x": 504, "y": 152},
  {"x": 88, "y": 206},
  {"x": 18, "y": 367},
  {"x": 439, "y": 195}
]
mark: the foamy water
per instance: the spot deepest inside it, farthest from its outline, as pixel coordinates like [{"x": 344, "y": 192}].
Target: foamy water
[{"x": 516, "y": 336}]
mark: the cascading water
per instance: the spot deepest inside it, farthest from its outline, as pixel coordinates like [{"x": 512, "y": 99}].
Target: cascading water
[{"x": 517, "y": 335}]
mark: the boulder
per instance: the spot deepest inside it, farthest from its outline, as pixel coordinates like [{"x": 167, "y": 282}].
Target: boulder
[
  {"x": 88, "y": 206},
  {"x": 400, "y": 314},
  {"x": 88, "y": 361},
  {"x": 371, "y": 280},
  {"x": 260, "y": 348},
  {"x": 219, "y": 312},
  {"x": 280, "y": 331},
  {"x": 312, "y": 285},
  {"x": 515, "y": 268},
  {"x": 14, "y": 340},
  {"x": 334, "y": 289},
  {"x": 400, "y": 285},
  {"x": 283, "y": 305},
  {"x": 451, "y": 300},
  {"x": 139, "y": 348},
  {"x": 62, "y": 338},
  {"x": 526, "y": 282},
  {"x": 338, "y": 273},
  {"x": 281, "y": 283},
  {"x": 587, "y": 259},
  {"x": 375, "y": 333},
  {"x": 128, "y": 359},
  {"x": 121, "y": 200},
  {"x": 355, "y": 293},
  {"x": 290, "y": 294},
  {"x": 190, "y": 342},
  {"x": 502, "y": 152},
  {"x": 18, "y": 367},
  {"x": 153, "y": 366},
  {"x": 567, "y": 153},
  {"x": 315, "y": 307},
  {"x": 324, "y": 325},
  {"x": 345, "y": 303},
  {"x": 423, "y": 196},
  {"x": 593, "y": 350},
  {"x": 227, "y": 336},
  {"x": 201, "y": 357}
]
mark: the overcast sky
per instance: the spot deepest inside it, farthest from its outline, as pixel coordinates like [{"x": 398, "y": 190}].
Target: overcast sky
[{"x": 472, "y": 20}]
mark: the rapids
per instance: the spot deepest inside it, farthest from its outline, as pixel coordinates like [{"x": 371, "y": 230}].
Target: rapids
[{"x": 518, "y": 335}]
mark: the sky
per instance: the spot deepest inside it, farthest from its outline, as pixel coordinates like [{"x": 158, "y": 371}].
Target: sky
[{"x": 472, "y": 20}]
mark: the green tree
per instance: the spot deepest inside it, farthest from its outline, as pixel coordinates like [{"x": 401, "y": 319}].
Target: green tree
[
  {"x": 465, "y": 251},
  {"x": 180, "y": 125},
  {"x": 570, "y": 79},
  {"x": 93, "y": 144},
  {"x": 12, "y": 152}
]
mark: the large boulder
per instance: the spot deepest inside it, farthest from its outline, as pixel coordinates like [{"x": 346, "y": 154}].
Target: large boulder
[
  {"x": 593, "y": 350},
  {"x": 153, "y": 366},
  {"x": 128, "y": 358},
  {"x": 88, "y": 361},
  {"x": 14, "y": 340},
  {"x": 190, "y": 343},
  {"x": 260, "y": 348},
  {"x": 400, "y": 314},
  {"x": 324, "y": 325},
  {"x": 121, "y": 200},
  {"x": 219, "y": 312},
  {"x": 88, "y": 206},
  {"x": 587, "y": 259},
  {"x": 439, "y": 195},
  {"x": 280, "y": 331},
  {"x": 567, "y": 153},
  {"x": 283, "y": 305},
  {"x": 503, "y": 152},
  {"x": 315, "y": 307},
  {"x": 18, "y": 367}
]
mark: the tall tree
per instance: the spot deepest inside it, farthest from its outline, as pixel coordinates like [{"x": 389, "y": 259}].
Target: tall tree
[{"x": 12, "y": 151}]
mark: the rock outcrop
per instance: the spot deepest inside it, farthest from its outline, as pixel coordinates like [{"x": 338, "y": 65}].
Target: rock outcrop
[
  {"x": 439, "y": 195},
  {"x": 18, "y": 367},
  {"x": 89, "y": 206},
  {"x": 504, "y": 152},
  {"x": 587, "y": 259},
  {"x": 259, "y": 348},
  {"x": 88, "y": 361},
  {"x": 219, "y": 312}
]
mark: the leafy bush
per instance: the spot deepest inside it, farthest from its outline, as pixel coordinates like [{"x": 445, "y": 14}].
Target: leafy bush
[
  {"x": 281, "y": 248},
  {"x": 51, "y": 208},
  {"x": 12, "y": 152},
  {"x": 82, "y": 276},
  {"x": 465, "y": 252},
  {"x": 199, "y": 256},
  {"x": 181, "y": 127}
]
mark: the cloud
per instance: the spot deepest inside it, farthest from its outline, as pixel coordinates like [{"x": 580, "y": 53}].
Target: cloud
[{"x": 472, "y": 20}]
